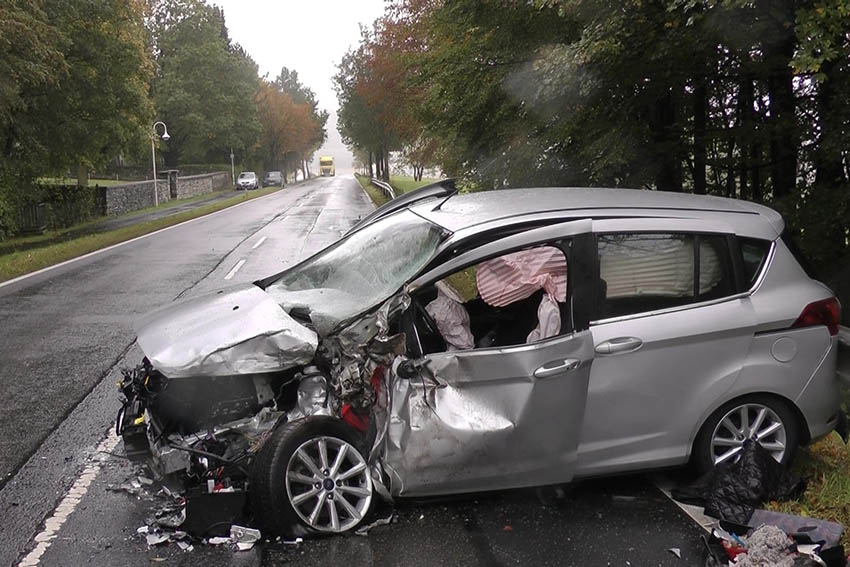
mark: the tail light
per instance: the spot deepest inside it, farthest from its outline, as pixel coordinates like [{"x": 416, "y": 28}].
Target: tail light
[{"x": 824, "y": 312}]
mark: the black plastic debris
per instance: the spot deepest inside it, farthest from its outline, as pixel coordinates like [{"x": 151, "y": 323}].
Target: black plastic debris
[
  {"x": 212, "y": 514},
  {"x": 732, "y": 491}
]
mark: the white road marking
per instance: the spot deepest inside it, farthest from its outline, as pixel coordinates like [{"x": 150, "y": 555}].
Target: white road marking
[
  {"x": 108, "y": 248},
  {"x": 235, "y": 269},
  {"x": 260, "y": 241},
  {"x": 69, "y": 503}
]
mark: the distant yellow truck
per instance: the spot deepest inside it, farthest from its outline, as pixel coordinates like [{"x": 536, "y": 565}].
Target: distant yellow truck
[{"x": 326, "y": 166}]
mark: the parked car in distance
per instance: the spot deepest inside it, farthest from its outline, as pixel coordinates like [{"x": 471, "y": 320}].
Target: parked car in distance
[
  {"x": 488, "y": 341},
  {"x": 272, "y": 178},
  {"x": 247, "y": 180}
]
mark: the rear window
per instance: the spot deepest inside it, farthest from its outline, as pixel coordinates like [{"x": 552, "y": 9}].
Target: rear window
[
  {"x": 753, "y": 257},
  {"x": 647, "y": 272}
]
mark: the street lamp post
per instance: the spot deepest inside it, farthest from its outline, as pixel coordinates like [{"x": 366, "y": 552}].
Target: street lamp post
[
  {"x": 232, "y": 171},
  {"x": 165, "y": 137}
]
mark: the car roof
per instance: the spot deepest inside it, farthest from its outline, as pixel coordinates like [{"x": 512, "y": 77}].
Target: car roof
[{"x": 464, "y": 211}]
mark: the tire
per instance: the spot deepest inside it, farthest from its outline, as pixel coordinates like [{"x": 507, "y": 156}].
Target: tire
[
  {"x": 289, "y": 499},
  {"x": 778, "y": 426}
]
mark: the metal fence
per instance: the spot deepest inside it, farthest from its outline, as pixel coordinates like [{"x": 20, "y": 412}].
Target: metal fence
[{"x": 385, "y": 187}]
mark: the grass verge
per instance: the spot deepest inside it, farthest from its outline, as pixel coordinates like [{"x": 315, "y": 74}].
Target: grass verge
[
  {"x": 22, "y": 262},
  {"x": 826, "y": 467},
  {"x": 403, "y": 184},
  {"x": 374, "y": 193}
]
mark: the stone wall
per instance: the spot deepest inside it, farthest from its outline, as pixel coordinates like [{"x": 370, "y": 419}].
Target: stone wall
[
  {"x": 134, "y": 196},
  {"x": 192, "y": 185}
]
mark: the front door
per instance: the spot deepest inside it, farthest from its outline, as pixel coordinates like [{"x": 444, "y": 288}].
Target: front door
[{"x": 500, "y": 416}]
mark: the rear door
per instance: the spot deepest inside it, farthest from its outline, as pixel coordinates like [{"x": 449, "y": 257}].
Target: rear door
[
  {"x": 671, "y": 332},
  {"x": 494, "y": 418}
]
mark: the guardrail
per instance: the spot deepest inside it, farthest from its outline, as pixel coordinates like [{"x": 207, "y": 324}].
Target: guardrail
[{"x": 385, "y": 187}]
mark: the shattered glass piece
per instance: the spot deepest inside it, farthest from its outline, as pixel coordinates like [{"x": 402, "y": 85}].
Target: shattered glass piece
[{"x": 238, "y": 331}]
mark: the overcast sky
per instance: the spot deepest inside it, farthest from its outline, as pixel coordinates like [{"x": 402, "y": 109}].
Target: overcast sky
[{"x": 309, "y": 36}]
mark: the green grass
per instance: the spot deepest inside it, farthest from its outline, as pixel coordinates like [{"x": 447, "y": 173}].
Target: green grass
[
  {"x": 826, "y": 467},
  {"x": 69, "y": 243},
  {"x": 403, "y": 184}
]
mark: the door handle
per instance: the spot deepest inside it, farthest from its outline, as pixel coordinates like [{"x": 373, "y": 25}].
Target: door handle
[
  {"x": 557, "y": 367},
  {"x": 619, "y": 344}
]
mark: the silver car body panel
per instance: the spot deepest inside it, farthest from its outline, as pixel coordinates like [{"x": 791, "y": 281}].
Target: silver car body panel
[
  {"x": 481, "y": 419},
  {"x": 464, "y": 214},
  {"x": 236, "y": 331}
]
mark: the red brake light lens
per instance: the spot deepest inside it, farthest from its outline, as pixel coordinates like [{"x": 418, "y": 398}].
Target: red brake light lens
[{"x": 824, "y": 312}]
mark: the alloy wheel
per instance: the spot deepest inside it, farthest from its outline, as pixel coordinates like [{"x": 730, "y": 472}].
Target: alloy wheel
[
  {"x": 328, "y": 484},
  {"x": 748, "y": 421}
]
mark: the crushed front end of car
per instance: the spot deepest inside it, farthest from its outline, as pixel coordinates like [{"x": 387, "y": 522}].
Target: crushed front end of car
[{"x": 225, "y": 371}]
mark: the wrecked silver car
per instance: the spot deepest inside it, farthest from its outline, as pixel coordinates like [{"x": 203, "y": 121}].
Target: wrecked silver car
[{"x": 489, "y": 341}]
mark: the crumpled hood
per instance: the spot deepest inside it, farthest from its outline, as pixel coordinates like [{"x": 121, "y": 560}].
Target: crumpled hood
[{"x": 239, "y": 330}]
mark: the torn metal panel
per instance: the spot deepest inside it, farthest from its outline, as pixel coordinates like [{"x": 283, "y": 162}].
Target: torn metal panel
[{"x": 237, "y": 331}]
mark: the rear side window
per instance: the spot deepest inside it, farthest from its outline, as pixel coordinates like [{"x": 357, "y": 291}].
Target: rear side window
[
  {"x": 753, "y": 257},
  {"x": 648, "y": 272}
]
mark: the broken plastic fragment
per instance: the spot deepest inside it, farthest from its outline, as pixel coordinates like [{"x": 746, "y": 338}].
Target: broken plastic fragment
[
  {"x": 676, "y": 551},
  {"x": 218, "y": 540},
  {"x": 185, "y": 545},
  {"x": 240, "y": 534},
  {"x": 364, "y": 530},
  {"x": 156, "y": 539}
]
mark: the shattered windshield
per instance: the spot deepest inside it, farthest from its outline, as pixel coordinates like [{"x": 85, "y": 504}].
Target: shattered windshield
[{"x": 359, "y": 271}]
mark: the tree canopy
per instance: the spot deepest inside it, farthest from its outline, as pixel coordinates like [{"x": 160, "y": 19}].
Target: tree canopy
[{"x": 739, "y": 98}]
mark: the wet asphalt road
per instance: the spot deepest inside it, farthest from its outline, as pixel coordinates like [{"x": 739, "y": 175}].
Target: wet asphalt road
[{"x": 65, "y": 334}]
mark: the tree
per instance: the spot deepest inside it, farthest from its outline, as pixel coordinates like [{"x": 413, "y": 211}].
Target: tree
[
  {"x": 206, "y": 87},
  {"x": 75, "y": 87},
  {"x": 316, "y": 134}
]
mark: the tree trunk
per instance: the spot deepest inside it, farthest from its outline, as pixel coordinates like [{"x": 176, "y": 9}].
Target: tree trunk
[
  {"x": 371, "y": 173},
  {"x": 700, "y": 119},
  {"x": 755, "y": 171},
  {"x": 784, "y": 139},
  {"x": 730, "y": 168},
  {"x": 746, "y": 131},
  {"x": 668, "y": 176},
  {"x": 82, "y": 175}
]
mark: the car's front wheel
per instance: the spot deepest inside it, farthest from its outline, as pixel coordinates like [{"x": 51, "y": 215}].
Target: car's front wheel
[
  {"x": 311, "y": 474},
  {"x": 766, "y": 419}
]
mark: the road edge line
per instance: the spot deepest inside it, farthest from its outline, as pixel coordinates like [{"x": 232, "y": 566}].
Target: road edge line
[
  {"x": 134, "y": 239},
  {"x": 63, "y": 510}
]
